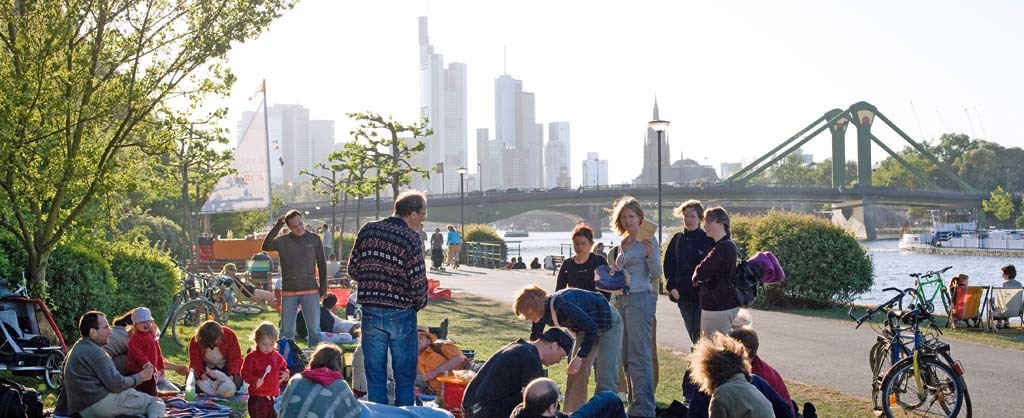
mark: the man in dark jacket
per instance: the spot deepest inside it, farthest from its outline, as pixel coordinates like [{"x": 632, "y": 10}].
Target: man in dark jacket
[{"x": 498, "y": 387}]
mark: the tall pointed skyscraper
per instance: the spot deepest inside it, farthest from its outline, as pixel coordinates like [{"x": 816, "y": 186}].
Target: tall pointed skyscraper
[{"x": 443, "y": 103}]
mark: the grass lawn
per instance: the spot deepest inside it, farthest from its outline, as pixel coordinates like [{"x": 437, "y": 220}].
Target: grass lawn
[
  {"x": 1007, "y": 338},
  {"x": 484, "y": 325}
]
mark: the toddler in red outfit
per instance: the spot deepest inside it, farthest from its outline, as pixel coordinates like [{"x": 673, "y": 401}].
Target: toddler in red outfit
[
  {"x": 144, "y": 349},
  {"x": 264, "y": 369}
]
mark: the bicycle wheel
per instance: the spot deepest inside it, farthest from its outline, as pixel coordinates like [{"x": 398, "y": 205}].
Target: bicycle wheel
[
  {"x": 188, "y": 317},
  {"x": 246, "y": 308},
  {"x": 940, "y": 392},
  {"x": 54, "y": 373}
]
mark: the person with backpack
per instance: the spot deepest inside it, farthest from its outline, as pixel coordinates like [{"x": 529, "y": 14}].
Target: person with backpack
[
  {"x": 715, "y": 274},
  {"x": 216, "y": 359},
  {"x": 685, "y": 251},
  {"x": 436, "y": 358}
]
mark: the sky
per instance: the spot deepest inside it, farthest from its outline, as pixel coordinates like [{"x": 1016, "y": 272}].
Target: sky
[{"x": 734, "y": 78}]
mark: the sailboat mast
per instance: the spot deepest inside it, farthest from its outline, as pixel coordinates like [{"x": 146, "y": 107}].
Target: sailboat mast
[{"x": 266, "y": 131}]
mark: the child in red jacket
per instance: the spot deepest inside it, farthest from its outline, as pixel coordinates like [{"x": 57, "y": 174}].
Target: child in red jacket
[
  {"x": 264, "y": 369},
  {"x": 143, "y": 349}
]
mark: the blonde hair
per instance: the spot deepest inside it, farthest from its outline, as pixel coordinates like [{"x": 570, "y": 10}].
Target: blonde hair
[
  {"x": 717, "y": 359},
  {"x": 228, "y": 266},
  {"x": 265, "y": 329},
  {"x": 327, "y": 355},
  {"x": 680, "y": 212},
  {"x": 529, "y": 299},
  {"x": 626, "y": 202}
]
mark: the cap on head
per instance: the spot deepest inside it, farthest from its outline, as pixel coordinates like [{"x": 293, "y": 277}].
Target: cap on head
[
  {"x": 556, "y": 335},
  {"x": 141, "y": 314}
]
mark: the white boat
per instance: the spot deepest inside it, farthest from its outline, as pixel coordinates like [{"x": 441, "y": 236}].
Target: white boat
[
  {"x": 964, "y": 237},
  {"x": 513, "y": 232}
]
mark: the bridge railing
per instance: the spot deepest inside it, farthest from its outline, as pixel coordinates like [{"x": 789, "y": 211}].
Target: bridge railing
[{"x": 489, "y": 255}]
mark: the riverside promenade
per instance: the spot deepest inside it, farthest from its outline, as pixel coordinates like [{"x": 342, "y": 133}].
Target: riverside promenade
[{"x": 817, "y": 351}]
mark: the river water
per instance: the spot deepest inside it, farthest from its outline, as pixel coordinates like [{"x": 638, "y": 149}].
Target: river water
[{"x": 892, "y": 266}]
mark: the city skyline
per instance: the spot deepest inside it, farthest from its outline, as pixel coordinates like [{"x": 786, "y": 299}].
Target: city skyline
[{"x": 734, "y": 79}]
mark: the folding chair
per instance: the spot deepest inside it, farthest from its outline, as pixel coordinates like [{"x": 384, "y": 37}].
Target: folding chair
[
  {"x": 967, "y": 306},
  {"x": 1004, "y": 303}
]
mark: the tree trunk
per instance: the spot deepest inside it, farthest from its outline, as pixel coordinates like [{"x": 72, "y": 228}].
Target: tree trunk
[
  {"x": 359, "y": 208},
  {"x": 38, "y": 262},
  {"x": 396, "y": 177},
  {"x": 341, "y": 239}
]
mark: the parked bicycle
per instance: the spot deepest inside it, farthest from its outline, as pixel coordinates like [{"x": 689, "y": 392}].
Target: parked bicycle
[
  {"x": 929, "y": 286},
  {"x": 913, "y": 373},
  {"x": 200, "y": 299}
]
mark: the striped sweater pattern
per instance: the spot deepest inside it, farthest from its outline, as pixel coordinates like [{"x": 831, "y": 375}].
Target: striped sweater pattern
[{"x": 387, "y": 262}]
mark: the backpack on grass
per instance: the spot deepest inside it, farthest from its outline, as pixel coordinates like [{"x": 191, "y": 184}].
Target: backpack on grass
[
  {"x": 293, "y": 355},
  {"x": 19, "y": 401}
]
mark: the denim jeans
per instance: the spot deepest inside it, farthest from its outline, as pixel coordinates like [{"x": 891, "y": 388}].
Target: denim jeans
[
  {"x": 310, "y": 314},
  {"x": 387, "y": 329},
  {"x": 602, "y": 405},
  {"x": 637, "y": 310}
]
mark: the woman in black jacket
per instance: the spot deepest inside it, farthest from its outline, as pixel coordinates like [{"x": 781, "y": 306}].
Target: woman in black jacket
[
  {"x": 578, "y": 270},
  {"x": 685, "y": 251},
  {"x": 713, "y": 276}
]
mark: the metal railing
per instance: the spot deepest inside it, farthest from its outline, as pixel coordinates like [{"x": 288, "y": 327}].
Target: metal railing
[{"x": 489, "y": 255}]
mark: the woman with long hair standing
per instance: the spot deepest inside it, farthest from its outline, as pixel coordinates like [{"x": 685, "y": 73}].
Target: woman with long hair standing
[{"x": 641, "y": 259}]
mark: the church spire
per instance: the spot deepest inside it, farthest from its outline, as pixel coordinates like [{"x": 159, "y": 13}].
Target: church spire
[{"x": 656, "y": 108}]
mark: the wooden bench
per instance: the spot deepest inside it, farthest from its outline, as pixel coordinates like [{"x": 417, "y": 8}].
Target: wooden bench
[{"x": 556, "y": 263}]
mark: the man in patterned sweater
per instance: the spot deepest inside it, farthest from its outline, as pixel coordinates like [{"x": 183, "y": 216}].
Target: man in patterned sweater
[{"x": 387, "y": 262}]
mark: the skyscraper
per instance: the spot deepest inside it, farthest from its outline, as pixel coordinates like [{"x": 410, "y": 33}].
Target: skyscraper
[
  {"x": 595, "y": 171},
  {"x": 443, "y": 103},
  {"x": 556, "y": 156},
  {"x": 321, "y": 133},
  {"x": 516, "y": 128},
  {"x": 291, "y": 147}
]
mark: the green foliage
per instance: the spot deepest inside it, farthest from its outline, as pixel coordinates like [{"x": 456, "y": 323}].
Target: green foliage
[
  {"x": 157, "y": 231},
  {"x": 12, "y": 258},
  {"x": 824, "y": 264},
  {"x": 78, "y": 280},
  {"x": 145, "y": 276},
  {"x": 482, "y": 233},
  {"x": 391, "y": 152},
  {"x": 83, "y": 82},
  {"x": 999, "y": 204}
]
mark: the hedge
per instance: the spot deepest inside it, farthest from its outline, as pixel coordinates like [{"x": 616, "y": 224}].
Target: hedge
[
  {"x": 145, "y": 277},
  {"x": 78, "y": 280},
  {"x": 482, "y": 233},
  {"x": 824, "y": 264}
]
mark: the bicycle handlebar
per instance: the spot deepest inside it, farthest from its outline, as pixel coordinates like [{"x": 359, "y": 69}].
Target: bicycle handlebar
[
  {"x": 930, "y": 273},
  {"x": 883, "y": 307}
]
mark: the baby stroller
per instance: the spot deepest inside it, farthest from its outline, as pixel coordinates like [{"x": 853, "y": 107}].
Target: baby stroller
[
  {"x": 437, "y": 259},
  {"x": 31, "y": 344}
]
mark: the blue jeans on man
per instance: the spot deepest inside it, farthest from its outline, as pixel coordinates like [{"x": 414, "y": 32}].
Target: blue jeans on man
[
  {"x": 394, "y": 330},
  {"x": 602, "y": 405},
  {"x": 310, "y": 314}
]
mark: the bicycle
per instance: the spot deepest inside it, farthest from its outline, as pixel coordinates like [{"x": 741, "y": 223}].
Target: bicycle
[
  {"x": 207, "y": 302},
  {"x": 922, "y": 281},
  {"x": 919, "y": 370}
]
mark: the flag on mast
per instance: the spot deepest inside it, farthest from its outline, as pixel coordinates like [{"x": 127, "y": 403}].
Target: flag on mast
[{"x": 248, "y": 188}]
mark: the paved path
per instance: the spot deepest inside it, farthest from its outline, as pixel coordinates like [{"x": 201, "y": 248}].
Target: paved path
[{"x": 821, "y": 352}]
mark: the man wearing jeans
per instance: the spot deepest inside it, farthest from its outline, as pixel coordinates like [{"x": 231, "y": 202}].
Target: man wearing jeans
[
  {"x": 303, "y": 274},
  {"x": 387, "y": 262}
]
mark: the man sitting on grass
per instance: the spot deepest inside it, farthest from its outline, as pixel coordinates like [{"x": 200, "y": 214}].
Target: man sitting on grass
[
  {"x": 540, "y": 399},
  {"x": 498, "y": 387},
  {"x": 435, "y": 359}
]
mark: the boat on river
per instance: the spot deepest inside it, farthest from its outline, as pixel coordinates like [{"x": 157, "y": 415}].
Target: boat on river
[
  {"x": 965, "y": 238},
  {"x": 513, "y": 232}
]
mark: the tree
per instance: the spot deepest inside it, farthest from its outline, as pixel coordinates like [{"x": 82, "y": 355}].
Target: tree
[
  {"x": 1000, "y": 204},
  {"x": 329, "y": 185},
  {"x": 394, "y": 164},
  {"x": 81, "y": 81}
]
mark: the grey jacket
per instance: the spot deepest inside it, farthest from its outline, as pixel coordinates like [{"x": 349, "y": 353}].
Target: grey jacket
[{"x": 89, "y": 376}]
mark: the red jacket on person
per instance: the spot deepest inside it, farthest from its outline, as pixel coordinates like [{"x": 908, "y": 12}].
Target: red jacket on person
[
  {"x": 254, "y": 367},
  {"x": 143, "y": 348},
  {"x": 228, "y": 347}
]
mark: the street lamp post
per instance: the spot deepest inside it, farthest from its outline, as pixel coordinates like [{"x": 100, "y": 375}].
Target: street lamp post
[
  {"x": 659, "y": 126},
  {"x": 480, "y": 176},
  {"x": 462, "y": 208}
]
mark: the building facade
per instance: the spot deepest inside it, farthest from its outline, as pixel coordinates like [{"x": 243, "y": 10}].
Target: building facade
[
  {"x": 595, "y": 171},
  {"x": 443, "y": 103}
]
